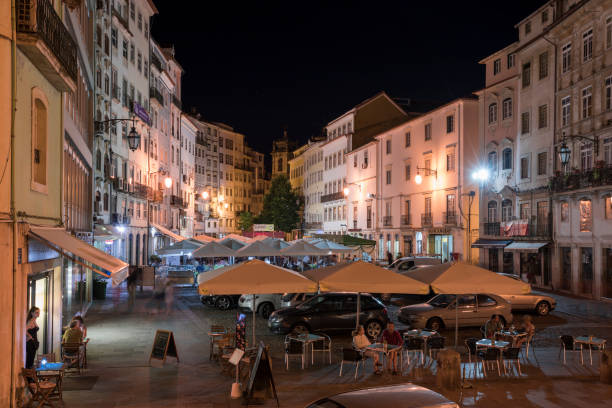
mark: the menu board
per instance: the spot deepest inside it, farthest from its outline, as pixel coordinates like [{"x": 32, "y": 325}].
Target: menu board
[{"x": 163, "y": 346}]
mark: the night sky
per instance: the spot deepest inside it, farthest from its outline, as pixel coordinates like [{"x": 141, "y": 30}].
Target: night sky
[{"x": 261, "y": 66}]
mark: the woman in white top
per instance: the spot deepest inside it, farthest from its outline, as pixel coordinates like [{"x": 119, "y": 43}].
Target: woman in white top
[{"x": 360, "y": 342}]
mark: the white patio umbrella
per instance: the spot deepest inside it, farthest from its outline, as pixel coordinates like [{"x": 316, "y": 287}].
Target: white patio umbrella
[
  {"x": 257, "y": 248},
  {"x": 254, "y": 277},
  {"x": 213, "y": 250},
  {"x": 303, "y": 248},
  {"x": 331, "y": 246}
]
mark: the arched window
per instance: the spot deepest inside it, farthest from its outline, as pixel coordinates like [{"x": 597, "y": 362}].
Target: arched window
[
  {"x": 106, "y": 166},
  {"x": 492, "y": 158},
  {"x": 39, "y": 141},
  {"x": 492, "y": 113},
  {"x": 98, "y": 160},
  {"x": 105, "y": 201},
  {"x": 492, "y": 211},
  {"x": 279, "y": 166},
  {"x": 507, "y": 159},
  {"x": 97, "y": 203},
  {"x": 506, "y": 210}
]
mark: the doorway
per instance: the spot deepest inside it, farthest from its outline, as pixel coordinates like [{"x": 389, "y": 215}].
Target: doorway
[
  {"x": 606, "y": 274},
  {"x": 38, "y": 295}
]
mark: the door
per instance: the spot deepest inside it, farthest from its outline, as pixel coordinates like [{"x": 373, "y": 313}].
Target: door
[
  {"x": 38, "y": 291},
  {"x": 607, "y": 273}
]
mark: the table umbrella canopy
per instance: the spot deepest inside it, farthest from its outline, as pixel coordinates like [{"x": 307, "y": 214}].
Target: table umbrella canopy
[
  {"x": 463, "y": 278},
  {"x": 204, "y": 238},
  {"x": 253, "y": 277},
  {"x": 257, "y": 248},
  {"x": 303, "y": 248},
  {"x": 232, "y": 243},
  {"x": 276, "y": 243},
  {"x": 183, "y": 247},
  {"x": 240, "y": 238},
  {"x": 213, "y": 250},
  {"x": 331, "y": 246},
  {"x": 363, "y": 276}
]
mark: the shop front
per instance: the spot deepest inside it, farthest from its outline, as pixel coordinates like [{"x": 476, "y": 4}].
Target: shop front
[
  {"x": 440, "y": 243},
  {"x": 532, "y": 260},
  {"x": 493, "y": 256},
  {"x": 606, "y": 273}
]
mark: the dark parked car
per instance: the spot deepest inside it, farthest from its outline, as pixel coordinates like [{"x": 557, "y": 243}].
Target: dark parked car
[
  {"x": 331, "y": 311},
  {"x": 223, "y": 302}
]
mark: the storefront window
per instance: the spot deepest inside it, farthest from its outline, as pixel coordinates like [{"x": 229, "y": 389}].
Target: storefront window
[
  {"x": 586, "y": 216},
  {"x": 76, "y": 290},
  {"x": 419, "y": 242},
  {"x": 564, "y": 211},
  {"x": 586, "y": 270},
  {"x": 608, "y": 204}
]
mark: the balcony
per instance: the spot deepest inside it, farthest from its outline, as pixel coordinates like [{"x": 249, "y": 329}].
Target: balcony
[
  {"x": 42, "y": 36},
  {"x": 599, "y": 176},
  {"x": 449, "y": 218},
  {"x": 519, "y": 228},
  {"x": 369, "y": 223},
  {"x": 141, "y": 190},
  {"x": 426, "y": 220},
  {"x": 406, "y": 220},
  {"x": 154, "y": 93},
  {"x": 124, "y": 21},
  {"x": 155, "y": 196},
  {"x": 387, "y": 221},
  {"x": 313, "y": 225},
  {"x": 492, "y": 228},
  {"x": 155, "y": 62},
  {"x": 177, "y": 102},
  {"x": 176, "y": 200},
  {"x": 332, "y": 197}
]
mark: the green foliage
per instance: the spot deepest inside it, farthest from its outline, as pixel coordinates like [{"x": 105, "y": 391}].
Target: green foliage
[
  {"x": 245, "y": 221},
  {"x": 280, "y": 206}
]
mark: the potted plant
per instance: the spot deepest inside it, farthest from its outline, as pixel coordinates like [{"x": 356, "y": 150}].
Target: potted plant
[{"x": 99, "y": 287}]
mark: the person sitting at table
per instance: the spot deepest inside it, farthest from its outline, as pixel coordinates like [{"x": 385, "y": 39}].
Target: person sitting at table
[
  {"x": 393, "y": 338},
  {"x": 360, "y": 342},
  {"x": 492, "y": 326},
  {"x": 73, "y": 334},
  {"x": 527, "y": 327},
  {"x": 82, "y": 326}
]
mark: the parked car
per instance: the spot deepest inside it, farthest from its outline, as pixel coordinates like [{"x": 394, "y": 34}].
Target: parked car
[
  {"x": 402, "y": 395},
  {"x": 294, "y": 299},
  {"x": 408, "y": 263},
  {"x": 529, "y": 302},
  {"x": 223, "y": 302},
  {"x": 264, "y": 304},
  {"x": 439, "y": 311},
  {"x": 331, "y": 311}
]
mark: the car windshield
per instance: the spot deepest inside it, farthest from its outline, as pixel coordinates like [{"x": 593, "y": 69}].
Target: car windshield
[
  {"x": 311, "y": 302},
  {"x": 442, "y": 300},
  {"x": 394, "y": 264},
  {"x": 287, "y": 297}
]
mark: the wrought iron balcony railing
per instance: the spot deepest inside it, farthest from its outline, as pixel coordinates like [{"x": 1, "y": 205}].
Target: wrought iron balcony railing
[
  {"x": 426, "y": 220},
  {"x": 449, "y": 218},
  {"x": 406, "y": 220},
  {"x": 387, "y": 221},
  {"x": 599, "y": 176},
  {"x": 156, "y": 94},
  {"x": 331, "y": 197},
  {"x": 537, "y": 227}
]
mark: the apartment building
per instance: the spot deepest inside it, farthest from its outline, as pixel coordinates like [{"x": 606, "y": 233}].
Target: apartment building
[
  {"x": 188, "y": 188},
  {"x": 313, "y": 188},
  {"x": 361, "y": 189}
]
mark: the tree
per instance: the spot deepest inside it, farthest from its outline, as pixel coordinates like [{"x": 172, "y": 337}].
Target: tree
[
  {"x": 281, "y": 206},
  {"x": 245, "y": 221}
]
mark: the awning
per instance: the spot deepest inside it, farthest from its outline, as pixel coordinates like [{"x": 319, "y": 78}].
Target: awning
[
  {"x": 105, "y": 233},
  {"x": 71, "y": 247},
  {"x": 532, "y": 247},
  {"x": 490, "y": 243},
  {"x": 167, "y": 232}
]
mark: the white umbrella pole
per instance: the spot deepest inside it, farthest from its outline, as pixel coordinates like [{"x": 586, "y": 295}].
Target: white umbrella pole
[
  {"x": 253, "y": 307},
  {"x": 358, "y": 309}
]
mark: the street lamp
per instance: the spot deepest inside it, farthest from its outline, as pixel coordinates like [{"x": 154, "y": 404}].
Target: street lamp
[
  {"x": 346, "y": 191},
  {"x": 481, "y": 174},
  {"x": 133, "y": 139},
  {"x": 419, "y": 179},
  {"x": 221, "y": 198},
  {"x": 565, "y": 152},
  {"x": 205, "y": 195}
]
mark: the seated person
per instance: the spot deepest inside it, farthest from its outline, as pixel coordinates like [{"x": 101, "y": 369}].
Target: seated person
[
  {"x": 527, "y": 327},
  {"x": 392, "y": 337},
  {"x": 82, "y": 326},
  {"x": 492, "y": 326},
  {"x": 360, "y": 342},
  {"x": 73, "y": 334}
]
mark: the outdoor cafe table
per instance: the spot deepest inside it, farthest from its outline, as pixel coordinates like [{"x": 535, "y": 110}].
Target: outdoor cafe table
[
  {"x": 423, "y": 334},
  {"x": 308, "y": 340},
  {"x": 514, "y": 335},
  {"x": 212, "y": 336},
  {"x": 52, "y": 370},
  {"x": 590, "y": 341},
  {"x": 380, "y": 348},
  {"x": 488, "y": 343}
]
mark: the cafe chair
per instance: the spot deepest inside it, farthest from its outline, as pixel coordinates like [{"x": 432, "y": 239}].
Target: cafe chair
[
  {"x": 351, "y": 355},
  {"x": 568, "y": 345},
  {"x": 46, "y": 376},
  {"x": 322, "y": 346},
  {"x": 41, "y": 390},
  {"x": 72, "y": 356},
  {"x": 435, "y": 344},
  {"x": 470, "y": 345},
  {"x": 293, "y": 348},
  {"x": 490, "y": 356},
  {"x": 414, "y": 345},
  {"x": 512, "y": 355}
]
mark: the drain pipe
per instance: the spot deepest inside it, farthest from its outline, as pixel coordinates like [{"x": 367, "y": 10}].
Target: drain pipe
[{"x": 14, "y": 339}]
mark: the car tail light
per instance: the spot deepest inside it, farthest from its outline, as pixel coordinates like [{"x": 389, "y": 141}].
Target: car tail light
[
  {"x": 385, "y": 311},
  {"x": 241, "y": 299}
]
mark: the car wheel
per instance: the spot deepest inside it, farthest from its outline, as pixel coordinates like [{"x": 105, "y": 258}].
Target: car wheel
[
  {"x": 373, "y": 329},
  {"x": 223, "y": 303},
  {"x": 299, "y": 328},
  {"x": 266, "y": 310},
  {"x": 435, "y": 324},
  {"x": 543, "y": 308}
]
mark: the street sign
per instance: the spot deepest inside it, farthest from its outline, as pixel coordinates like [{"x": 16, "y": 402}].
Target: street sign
[
  {"x": 141, "y": 113},
  {"x": 263, "y": 227}
]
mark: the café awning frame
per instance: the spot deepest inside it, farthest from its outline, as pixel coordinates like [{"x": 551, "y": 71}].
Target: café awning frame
[
  {"x": 529, "y": 247},
  {"x": 165, "y": 231},
  {"x": 491, "y": 243}
]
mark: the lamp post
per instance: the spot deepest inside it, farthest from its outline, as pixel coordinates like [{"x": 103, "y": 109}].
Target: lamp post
[
  {"x": 133, "y": 137},
  {"x": 565, "y": 152}
]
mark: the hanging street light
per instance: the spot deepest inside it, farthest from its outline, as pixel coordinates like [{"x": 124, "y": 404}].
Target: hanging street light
[
  {"x": 418, "y": 178},
  {"x": 205, "y": 195},
  {"x": 133, "y": 139},
  {"x": 564, "y": 154},
  {"x": 168, "y": 182}
]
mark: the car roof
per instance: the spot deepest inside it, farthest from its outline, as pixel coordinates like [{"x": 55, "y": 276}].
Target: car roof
[{"x": 392, "y": 395}]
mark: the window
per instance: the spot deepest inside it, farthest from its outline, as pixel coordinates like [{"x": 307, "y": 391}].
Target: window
[
  {"x": 355, "y": 160},
  {"x": 586, "y": 216},
  {"x": 527, "y": 27},
  {"x": 125, "y": 49},
  {"x": 279, "y": 164},
  {"x": 139, "y": 62},
  {"x": 586, "y": 156},
  {"x": 566, "y": 57},
  {"x": 587, "y": 102},
  {"x": 506, "y": 214},
  {"x": 587, "y": 45},
  {"x": 565, "y": 111},
  {"x": 407, "y": 172},
  {"x": 428, "y": 131},
  {"x": 146, "y": 29},
  {"x": 542, "y": 163},
  {"x": 511, "y": 61},
  {"x": 492, "y": 211},
  {"x": 608, "y": 209},
  {"x": 132, "y": 53},
  {"x": 428, "y": 206},
  {"x": 492, "y": 160},
  {"x": 496, "y": 66},
  {"x": 525, "y": 211},
  {"x": 609, "y": 32},
  {"x": 543, "y": 62},
  {"x": 114, "y": 37},
  {"x": 542, "y": 116},
  {"x": 507, "y": 159},
  {"x": 524, "y": 123},
  {"x": 608, "y": 151},
  {"x": 450, "y": 161},
  {"x": 365, "y": 159},
  {"x": 140, "y": 21},
  {"x": 132, "y": 11},
  {"x": 388, "y": 146},
  {"x": 407, "y": 139},
  {"x": 544, "y": 16},
  {"x": 524, "y": 167},
  {"x": 608, "y": 93},
  {"x": 39, "y": 141},
  {"x": 564, "y": 211},
  {"x": 492, "y": 113},
  {"x": 450, "y": 123},
  {"x": 388, "y": 176},
  {"x": 526, "y": 76},
  {"x": 507, "y": 108},
  {"x": 427, "y": 166},
  {"x": 145, "y": 68}
]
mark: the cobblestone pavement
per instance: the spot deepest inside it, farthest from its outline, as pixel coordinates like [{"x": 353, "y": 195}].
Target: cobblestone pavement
[{"x": 120, "y": 375}]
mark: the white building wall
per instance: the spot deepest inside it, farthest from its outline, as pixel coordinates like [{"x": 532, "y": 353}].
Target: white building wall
[
  {"x": 334, "y": 180},
  {"x": 361, "y": 178}
]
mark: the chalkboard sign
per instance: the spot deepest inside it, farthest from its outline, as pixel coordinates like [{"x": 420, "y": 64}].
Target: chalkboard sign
[
  {"x": 163, "y": 346},
  {"x": 261, "y": 383}
]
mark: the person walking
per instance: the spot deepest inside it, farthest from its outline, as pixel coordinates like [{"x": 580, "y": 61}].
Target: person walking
[
  {"x": 31, "y": 336},
  {"x": 131, "y": 287},
  {"x": 389, "y": 258}
]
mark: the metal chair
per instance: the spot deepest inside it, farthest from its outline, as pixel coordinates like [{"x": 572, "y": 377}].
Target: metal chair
[
  {"x": 41, "y": 390},
  {"x": 568, "y": 344},
  {"x": 353, "y": 356},
  {"x": 489, "y": 356},
  {"x": 511, "y": 355},
  {"x": 293, "y": 348},
  {"x": 414, "y": 345},
  {"x": 322, "y": 346},
  {"x": 435, "y": 343},
  {"x": 470, "y": 344}
]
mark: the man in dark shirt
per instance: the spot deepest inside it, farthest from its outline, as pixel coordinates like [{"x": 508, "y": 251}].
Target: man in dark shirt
[{"x": 392, "y": 337}]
